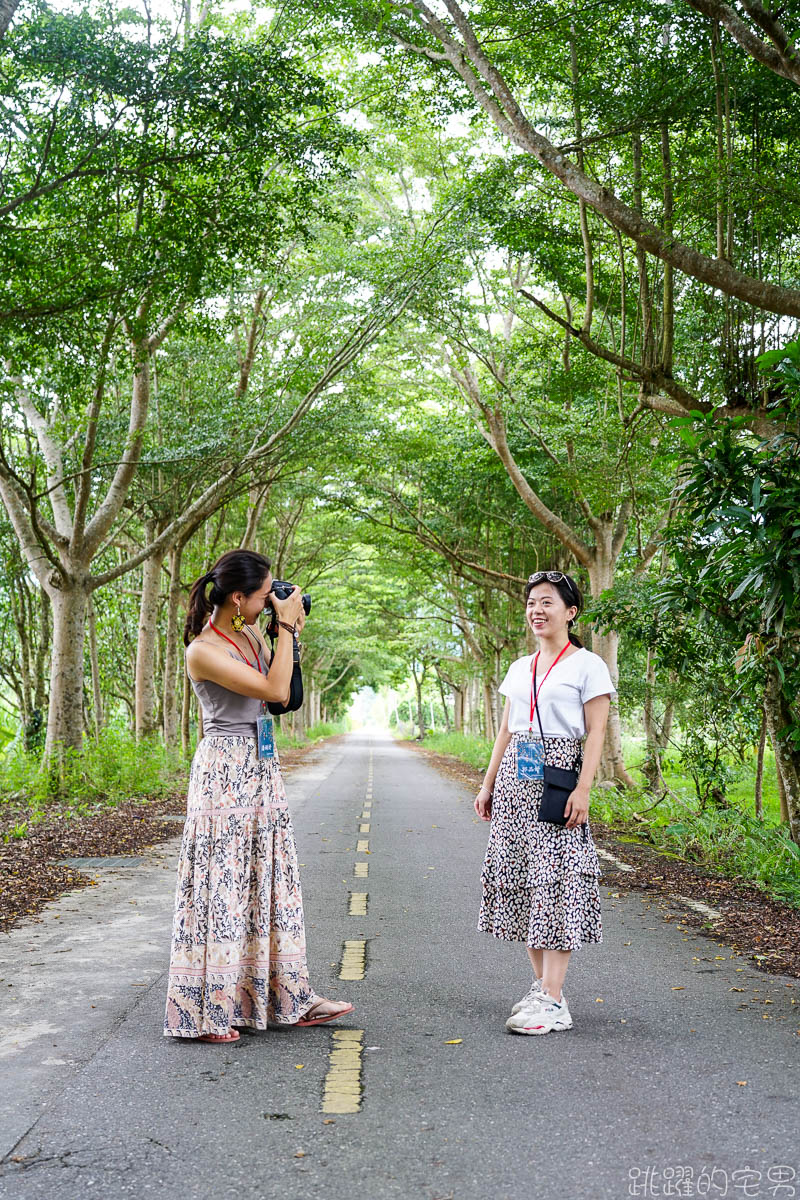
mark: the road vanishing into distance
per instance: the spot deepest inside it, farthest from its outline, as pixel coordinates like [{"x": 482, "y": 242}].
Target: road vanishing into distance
[{"x": 680, "y": 1077}]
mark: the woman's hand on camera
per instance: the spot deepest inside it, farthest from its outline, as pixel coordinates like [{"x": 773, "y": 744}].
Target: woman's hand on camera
[
  {"x": 483, "y": 804},
  {"x": 290, "y": 609}
]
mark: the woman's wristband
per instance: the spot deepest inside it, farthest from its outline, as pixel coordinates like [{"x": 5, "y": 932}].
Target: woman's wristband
[{"x": 285, "y": 625}]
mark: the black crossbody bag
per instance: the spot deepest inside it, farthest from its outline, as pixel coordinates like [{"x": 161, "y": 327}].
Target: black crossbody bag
[{"x": 559, "y": 783}]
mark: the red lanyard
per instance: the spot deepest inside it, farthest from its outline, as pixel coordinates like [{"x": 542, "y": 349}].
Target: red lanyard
[
  {"x": 254, "y": 649},
  {"x": 535, "y": 698}
]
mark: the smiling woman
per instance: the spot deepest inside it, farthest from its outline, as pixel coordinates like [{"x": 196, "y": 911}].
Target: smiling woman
[
  {"x": 540, "y": 873},
  {"x": 238, "y": 939}
]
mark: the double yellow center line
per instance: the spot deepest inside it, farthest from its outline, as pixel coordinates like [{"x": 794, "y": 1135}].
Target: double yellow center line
[{"x": 343, "y": 1089}]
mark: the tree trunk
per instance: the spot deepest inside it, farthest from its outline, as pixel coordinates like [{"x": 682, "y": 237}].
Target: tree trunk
[
  {"x": 7, "y": 10},
  {"x": 186, "y": 710},
  {"x": 443, "y": 696},
  {"x": 787, "y": 759},
  {"x": 42, "y": 650},
  {"x": 652, "y": 764},
  {"x": 299, "y": 723},
  {"x": 474, "y": 712},
  {"x": 171, "y": 682},
  {"x": 420, "y": 710},
  {"x": 65, "y": 713},
  {"x": 458, "y": 709},
  {"x": 784, "y": 812},
  {"x": 489, "y": 710},
  {"x": 145, "y": 696},
  {"x": 612, "y": 766},
  {"x": 759, "y": 789},
  {"x": 97, "y": 695}
]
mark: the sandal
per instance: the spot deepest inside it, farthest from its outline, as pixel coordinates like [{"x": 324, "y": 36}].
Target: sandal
[
  {"x": 232, "y": 1036},
  {"x": 309, "y": 1020}
]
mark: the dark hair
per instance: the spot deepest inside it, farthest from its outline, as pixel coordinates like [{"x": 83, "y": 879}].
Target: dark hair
[
  {"x": 572, "y": 596},
  {"x": 235, "y": 571}
]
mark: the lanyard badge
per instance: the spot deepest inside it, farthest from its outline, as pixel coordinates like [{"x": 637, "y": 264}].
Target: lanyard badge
[
  {"x": 530, "y": 760},
  {"x": 265, "y": 731},
  {"x": 531, "y": 755}
]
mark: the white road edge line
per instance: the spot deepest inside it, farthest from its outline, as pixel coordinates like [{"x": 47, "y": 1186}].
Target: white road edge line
[
  {"x": 704, "y": 909},
  {"x": 698, "y": 906},
  {"x": 616, "y": 861}
]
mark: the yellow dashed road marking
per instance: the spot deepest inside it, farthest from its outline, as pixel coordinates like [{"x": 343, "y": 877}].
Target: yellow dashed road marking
[
  {"x": 343, "y": 1089},
  {"x": 363, "y": 829},
  {"x": 358, "y": 904},
  {"x": 353, "y": 964},
  {"x": 365, "y": 816},
  {"x": 361, "y": 870},
  {"x": 362, "y": 846}
]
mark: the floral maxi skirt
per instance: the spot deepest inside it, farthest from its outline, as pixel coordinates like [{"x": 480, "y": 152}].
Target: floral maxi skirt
[
  {"x": 238, "y": 938},
  {"x": 540, "y": 881}
]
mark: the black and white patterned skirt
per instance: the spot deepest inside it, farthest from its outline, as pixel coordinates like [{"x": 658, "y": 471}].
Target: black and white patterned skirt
[{"x": 540, "y": 881}]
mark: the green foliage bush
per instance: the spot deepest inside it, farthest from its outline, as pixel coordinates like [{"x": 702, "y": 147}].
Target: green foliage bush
[
  {"x": 476, "y": 751},
  {"x": 112, "y": 769},
  {"x": 314, "y": 733},
  {"x": 730, "y": 840}
]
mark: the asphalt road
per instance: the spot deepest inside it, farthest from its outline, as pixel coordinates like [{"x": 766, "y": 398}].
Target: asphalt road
[{"x": 680, "y": 1076}]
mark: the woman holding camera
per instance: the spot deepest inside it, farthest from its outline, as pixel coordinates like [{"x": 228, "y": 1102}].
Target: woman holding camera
[
  {"x": 238, "y": 941},
  {"x": 540, "y": 874}
]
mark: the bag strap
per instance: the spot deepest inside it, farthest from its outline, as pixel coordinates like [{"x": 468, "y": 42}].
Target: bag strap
[
  {"x": 538, "y": 717},
  {"x": 544, "y": 743}
]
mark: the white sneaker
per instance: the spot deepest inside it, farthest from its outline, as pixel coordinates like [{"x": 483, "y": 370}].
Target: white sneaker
[
  {"x": 544, "y": 1015},
  {"x": 535, "y": 993}
]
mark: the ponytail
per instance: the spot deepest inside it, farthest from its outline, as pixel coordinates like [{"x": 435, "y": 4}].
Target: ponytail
[
  {"x": 235, "y": 571},
  {"x": 200, "y": 608},
  {"x": 573, "y": 637}
]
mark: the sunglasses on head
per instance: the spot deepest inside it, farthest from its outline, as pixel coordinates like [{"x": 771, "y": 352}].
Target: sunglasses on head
[{"x": 550, "y": 576}]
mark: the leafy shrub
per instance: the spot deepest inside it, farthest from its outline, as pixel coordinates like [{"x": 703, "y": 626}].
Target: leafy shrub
[
  {"x": 110, "y": 770},
  {"x": 476, "y": 751}
]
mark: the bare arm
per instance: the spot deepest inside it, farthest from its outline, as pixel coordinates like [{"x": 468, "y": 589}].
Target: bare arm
[
  {"x": 596, "y": 717},
  {"x": 483, "y": 801},
  {"x": 205, "y": 660}
]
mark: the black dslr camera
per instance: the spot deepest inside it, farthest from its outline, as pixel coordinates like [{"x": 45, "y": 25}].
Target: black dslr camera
[{"x": 282, "y": 591}]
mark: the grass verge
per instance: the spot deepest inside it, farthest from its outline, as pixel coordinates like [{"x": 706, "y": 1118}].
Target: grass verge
[{"x": 730, "y": 839}]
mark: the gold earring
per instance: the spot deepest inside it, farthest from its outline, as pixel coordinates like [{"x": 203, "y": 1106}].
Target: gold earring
[{"x": 238, "y": 622}]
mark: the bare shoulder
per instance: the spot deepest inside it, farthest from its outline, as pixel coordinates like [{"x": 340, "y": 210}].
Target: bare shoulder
[{"x": 200, "y": 651}]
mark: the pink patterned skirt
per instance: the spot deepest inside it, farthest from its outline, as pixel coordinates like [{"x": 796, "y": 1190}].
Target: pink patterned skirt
[{"x": 238, "y": 937}]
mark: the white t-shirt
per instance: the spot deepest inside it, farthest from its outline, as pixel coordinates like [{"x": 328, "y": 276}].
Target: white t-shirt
[{"x": 575, "y": 679}]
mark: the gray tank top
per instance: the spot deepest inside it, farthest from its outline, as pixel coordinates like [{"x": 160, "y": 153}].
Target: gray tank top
[{"x": 226, "y": 713}]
